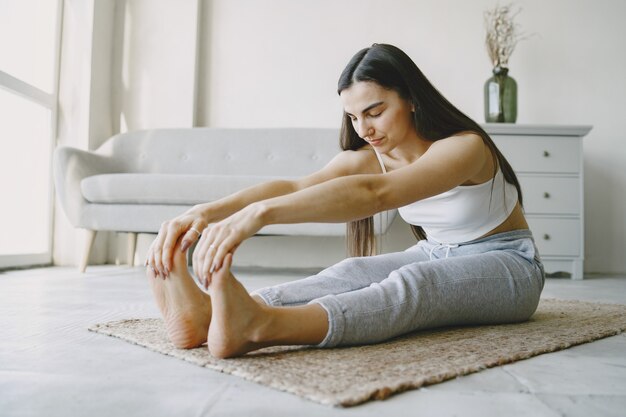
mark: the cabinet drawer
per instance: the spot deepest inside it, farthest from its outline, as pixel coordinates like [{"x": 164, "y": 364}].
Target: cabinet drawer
[
  {"x": 556, "y": 237},
  {"x": 550, "y": 195},
  {"x": 540, "y": 154}
]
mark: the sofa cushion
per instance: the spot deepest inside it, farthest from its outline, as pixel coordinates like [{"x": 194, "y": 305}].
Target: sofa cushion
[
  {"x": 168, "y": 189},
  {"x": 147, "y": 218}
]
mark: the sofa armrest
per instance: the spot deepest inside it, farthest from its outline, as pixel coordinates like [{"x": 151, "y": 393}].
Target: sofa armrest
[{"x": 70, "y": 166}]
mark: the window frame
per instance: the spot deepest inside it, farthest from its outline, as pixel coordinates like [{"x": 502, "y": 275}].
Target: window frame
[{"x": 14, "y": 85}]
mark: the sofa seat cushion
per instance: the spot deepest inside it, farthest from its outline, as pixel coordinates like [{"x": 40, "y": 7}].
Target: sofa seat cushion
[{"x": 164, "y": 189}]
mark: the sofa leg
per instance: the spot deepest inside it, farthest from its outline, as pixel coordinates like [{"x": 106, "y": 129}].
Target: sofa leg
[
  {"x": 90, "y": 237},
  {"x": 132, "y": 245}
]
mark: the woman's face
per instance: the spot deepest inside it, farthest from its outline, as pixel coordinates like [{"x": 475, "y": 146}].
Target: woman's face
[{"x": 379, "y": 116}]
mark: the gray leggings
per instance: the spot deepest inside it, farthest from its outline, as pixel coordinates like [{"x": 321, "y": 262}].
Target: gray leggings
[{"x": 497, "y": 279}]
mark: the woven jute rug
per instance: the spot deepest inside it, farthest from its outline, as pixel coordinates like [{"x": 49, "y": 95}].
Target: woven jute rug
[{"x": 353, "y": 375}]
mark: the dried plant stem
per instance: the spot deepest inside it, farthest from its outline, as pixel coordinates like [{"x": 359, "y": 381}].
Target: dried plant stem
[{"x": 503, "y": 34}]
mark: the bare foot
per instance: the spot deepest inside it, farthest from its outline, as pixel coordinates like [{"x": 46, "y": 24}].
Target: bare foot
[
  {"x": 184, "y": 307},
  {"x": 239, "y": 322}
]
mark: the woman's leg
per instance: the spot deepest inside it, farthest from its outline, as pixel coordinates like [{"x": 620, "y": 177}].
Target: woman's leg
[
  {"x": 501, "y": 285},
  {"x": 493, "y": 287},
  {"x": 186, "y": 310},
  {"x": 495, "y": 281},
  {"x": 498, "y": 280},
  {"x": 348, "y": 275}
]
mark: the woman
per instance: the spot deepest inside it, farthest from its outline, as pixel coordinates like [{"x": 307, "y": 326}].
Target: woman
[{"x": 405, "y": 147}]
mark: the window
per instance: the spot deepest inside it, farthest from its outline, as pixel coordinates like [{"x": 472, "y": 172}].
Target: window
[{"x": 29, "y": 60}]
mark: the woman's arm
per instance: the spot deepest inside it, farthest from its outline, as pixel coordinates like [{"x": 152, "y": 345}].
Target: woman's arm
[
  {"x": 186, "y": 228},
  {"x": 215, "y": 211},
  {"x": 343, "y": 164},
  {"x": 447, "y": 164}
]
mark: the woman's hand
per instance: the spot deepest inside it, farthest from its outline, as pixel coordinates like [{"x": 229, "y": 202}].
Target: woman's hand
[
  {"x": 224, "y": 237},
  {"x": 188, "y": 227}
]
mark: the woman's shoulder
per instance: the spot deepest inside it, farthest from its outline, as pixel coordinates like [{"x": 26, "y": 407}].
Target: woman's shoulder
[
  {"x": 468, "y": 138},
  {"x": 469, "y": 152},
  {"x": 359, "y": 161},
  {"x": 462, "y": 144}
]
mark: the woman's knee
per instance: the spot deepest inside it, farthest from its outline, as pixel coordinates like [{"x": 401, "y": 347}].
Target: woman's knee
[
  {"x": 375, "y": 268},
  {"x": 346, "y": 267}
]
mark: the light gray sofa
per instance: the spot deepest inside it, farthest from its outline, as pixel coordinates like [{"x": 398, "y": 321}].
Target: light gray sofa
[{"x": 137, "y": 180}]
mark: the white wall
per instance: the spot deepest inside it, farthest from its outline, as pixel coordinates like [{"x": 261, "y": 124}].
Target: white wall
[
  {"x": 154, "y": 63},
  {"x": 265, "y": 63}
]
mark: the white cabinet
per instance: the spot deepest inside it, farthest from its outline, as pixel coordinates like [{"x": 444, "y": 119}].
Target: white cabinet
[{"x": 549, "y": 165}]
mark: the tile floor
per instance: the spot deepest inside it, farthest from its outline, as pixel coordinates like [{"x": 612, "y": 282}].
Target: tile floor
[{"x": 50, "y": 365}]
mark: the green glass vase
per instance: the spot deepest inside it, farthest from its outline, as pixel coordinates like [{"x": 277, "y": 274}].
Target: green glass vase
[{"x": 500, "y": 97}]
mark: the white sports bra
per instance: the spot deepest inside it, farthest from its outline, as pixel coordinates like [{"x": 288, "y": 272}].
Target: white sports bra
[{"x": 463, "y": 213}]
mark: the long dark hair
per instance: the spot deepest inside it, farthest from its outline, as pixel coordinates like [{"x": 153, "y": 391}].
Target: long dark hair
[{"x": 434, "y": 118}]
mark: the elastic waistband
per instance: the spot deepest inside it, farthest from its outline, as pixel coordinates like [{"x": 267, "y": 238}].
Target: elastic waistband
[{"x": 510, "y": 235}]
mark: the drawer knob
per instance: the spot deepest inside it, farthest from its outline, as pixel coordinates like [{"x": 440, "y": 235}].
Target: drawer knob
[
  {"x": 546, "y": 154},
  {"x": 546, "y": 195},
  {"x": 546, "y": 237}
]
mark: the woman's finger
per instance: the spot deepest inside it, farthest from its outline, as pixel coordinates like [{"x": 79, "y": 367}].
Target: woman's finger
[
  {"x": 152, "y": 272},
  {"x": 158, "y": 265},
  {"x": 156, "y": 259},
  {"x": 206, "y": 273},
  {"x": 193, "y": 234},
  {"x": 157, "y": 249},
  {"x": 228, "y": 245},
  {"x": 213, "y": 239},
  {"x": 200, "y": 254},
  {"x": 150, "y": 261},
  {"x": 206, "y": 264},
  {"x": 228, "y": 260},
  {"x": 195, "y": 262},
  {"x": 175, "y": 231},
  {"x": 172, "y": 232}
]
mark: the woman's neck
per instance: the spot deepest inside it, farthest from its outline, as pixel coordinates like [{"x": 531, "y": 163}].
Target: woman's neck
[{"x": 409, "y": 150}]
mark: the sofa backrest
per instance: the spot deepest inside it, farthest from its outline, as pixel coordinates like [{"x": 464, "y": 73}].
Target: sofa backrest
[{"x": 226, "y": 151}]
